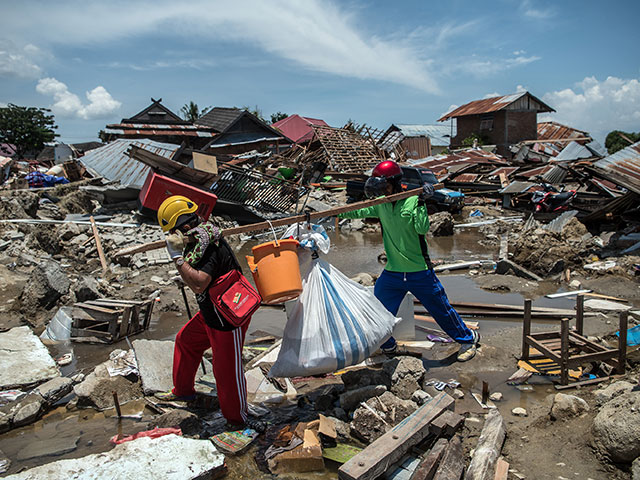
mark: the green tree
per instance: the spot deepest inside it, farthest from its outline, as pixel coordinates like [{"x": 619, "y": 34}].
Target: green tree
[
  {"x": 276, "y": 117},
  {"x": 28, "y": 128},
  {"x": 468, "y": 142},
  {"x": 615, "y": 141},
  {"x": 190, "y": 111}
]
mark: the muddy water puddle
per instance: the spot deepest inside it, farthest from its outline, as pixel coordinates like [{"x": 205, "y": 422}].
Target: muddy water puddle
[{"x": 352, "y": 253}]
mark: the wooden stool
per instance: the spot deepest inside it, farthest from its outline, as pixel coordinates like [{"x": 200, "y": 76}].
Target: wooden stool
[{"x": 571, "y": 348}]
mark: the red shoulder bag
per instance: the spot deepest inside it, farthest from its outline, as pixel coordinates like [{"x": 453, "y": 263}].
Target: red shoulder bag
[{"x": 234, "y": 297}]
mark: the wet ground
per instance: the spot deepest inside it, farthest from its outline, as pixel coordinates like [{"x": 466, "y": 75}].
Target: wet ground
[{"x": 352, "y": 253}]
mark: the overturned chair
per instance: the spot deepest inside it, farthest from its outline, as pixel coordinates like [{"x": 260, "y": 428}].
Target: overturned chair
[{"x": 570, "y": 348}]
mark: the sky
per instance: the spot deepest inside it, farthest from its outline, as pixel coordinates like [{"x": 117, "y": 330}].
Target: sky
[{"x": 374, "y": 62}]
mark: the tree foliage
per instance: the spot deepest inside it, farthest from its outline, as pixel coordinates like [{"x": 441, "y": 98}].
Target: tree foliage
[
  {"x": 469, "y": 141},
  {"x": 28, "y": 128},
  {"x": 615, "y": 141},
  {"x": 255, "y": 111},
  {"x": 191, "y": 112},
  {"x": 276, "y": 117}
]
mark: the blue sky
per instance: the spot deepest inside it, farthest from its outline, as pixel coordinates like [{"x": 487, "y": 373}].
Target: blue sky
[{"x": 374, "y": 62}]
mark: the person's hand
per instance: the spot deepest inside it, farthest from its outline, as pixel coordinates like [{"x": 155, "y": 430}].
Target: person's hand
[
  {"x": 426, "y": 193},
  {"x": 175, "y": 244}
]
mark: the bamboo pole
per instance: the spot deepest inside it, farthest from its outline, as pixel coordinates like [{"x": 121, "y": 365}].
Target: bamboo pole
[{"x": 254, "y": 227}]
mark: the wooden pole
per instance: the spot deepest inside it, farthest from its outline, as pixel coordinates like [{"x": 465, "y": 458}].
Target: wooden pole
[
  {"x": 254, "y": 227},
  {"x": 564, "y": 351},
  {"x": 116, "y": 403},
  {"x": 103, "y": 260},
  {"x": 526, "y": 329},
  {"x": 580, "y": 314},
  {"x": 622, "y": 343}
]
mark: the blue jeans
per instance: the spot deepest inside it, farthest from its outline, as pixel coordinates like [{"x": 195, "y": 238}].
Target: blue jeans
[{"x": 391, "y": 287}]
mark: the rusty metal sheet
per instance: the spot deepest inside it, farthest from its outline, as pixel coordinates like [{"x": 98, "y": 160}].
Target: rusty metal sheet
[
  {"x": 466, "y": 178},
  {"x": 622, "y": 168},
  {"x": 463, "y": 157},
  {"x": 493, "y": 104}
]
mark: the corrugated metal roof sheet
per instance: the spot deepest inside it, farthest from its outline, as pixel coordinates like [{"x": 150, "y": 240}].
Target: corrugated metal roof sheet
[
  {"x": 517, "y": 187},
  {"x": 467, "y": 178},
  {"x": 535, "y": 171},
  {"x": 440, "y": 135},
  {"x": 469, "y": 156},
  {"x": 623, "y": 167},
  {"x": 494, "y": 104},
  {"x": 574, "y": 151},
  {"x": 554, "y": 130},
  {"x": 298, "y": 128},
  {"x": 160, "y": 133},
  {"x": 113, "y": 163},
  {"x": 554, "y": 175},
  {"x": 230, "y": 139},
  {"x": 220, "y": 118}
]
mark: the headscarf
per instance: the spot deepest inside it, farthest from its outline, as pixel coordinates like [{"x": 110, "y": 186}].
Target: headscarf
[{"x": 205, "y": 234}]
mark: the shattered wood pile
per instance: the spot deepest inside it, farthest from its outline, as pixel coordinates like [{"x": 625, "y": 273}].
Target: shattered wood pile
[{"x": 109, "y": 320}]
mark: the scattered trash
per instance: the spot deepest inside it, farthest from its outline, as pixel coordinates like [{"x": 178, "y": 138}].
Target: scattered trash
[
  {"x": 600, "y": 266},
  {"x": 341, "y": 453},
  {"x": 440, "y": 385},
  {"x": 476, "y": 213},
  {"x": 633, "y": 336},
  {"x": 155, "y": 433},
  {"x": 8, "y": 396},
  {"x": 122, "y": 362},
  {"x": 235, "y": 442},
  {"x": 65, "y": 359}
]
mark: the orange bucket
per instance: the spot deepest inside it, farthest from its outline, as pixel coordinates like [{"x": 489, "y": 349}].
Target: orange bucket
[{"x": 276, "y": 270}]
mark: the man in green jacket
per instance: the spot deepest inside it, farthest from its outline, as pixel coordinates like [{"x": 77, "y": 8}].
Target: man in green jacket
[{"x": 408, "y": 269}]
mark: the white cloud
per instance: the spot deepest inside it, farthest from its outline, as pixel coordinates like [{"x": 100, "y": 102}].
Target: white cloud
[
  {"x": 519, "y": 52},
  {"x": 483, "y": 68},
  {"x": 597, "y": 106},
  {"x": 319, "y": 35},
  {"x": 536, "y": 13},
  {"x": 492, "y": 95},
  {"x": 67, "y": 104},
  {"x": 18, "y": 62}
]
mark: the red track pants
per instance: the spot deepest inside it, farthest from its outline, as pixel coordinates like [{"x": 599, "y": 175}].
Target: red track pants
[{"x": 191, "y": 342}]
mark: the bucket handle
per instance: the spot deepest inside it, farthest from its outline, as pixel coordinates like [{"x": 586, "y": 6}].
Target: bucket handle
[{"x": 274, "y": 233}]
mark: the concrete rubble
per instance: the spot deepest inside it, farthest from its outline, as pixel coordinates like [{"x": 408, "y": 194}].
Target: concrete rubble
[
  {"x": 47, "y": 266},
  {"x": 138, "y": 459}
]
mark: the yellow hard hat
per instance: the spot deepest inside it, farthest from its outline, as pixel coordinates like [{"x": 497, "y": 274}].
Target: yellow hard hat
[{"x": 172, "y": 208}]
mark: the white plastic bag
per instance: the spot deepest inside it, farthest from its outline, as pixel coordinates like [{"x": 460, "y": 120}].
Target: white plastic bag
[
  {"x": 312, "y": 237},
  {"x": 334, "y": 323}
]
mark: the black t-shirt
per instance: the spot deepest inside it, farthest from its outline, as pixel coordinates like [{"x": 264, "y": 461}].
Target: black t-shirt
[{"x": 216, "y": 261}]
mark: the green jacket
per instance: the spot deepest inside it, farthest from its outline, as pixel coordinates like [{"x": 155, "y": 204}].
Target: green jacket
[{"x": 402, "y": 224}]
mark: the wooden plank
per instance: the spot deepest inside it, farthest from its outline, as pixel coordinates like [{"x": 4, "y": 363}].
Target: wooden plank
[
  {"x": 580, "y": 314},
  {"x": 547, "y": 352},
  {"x": 103, "y": 260},
  {"x": 452, "y": 463},
  {"x": 446, "y": 424},
  {"x": 282, "y": 221},
  {"x": 97, "y": 308},
  {"x": 390, "y": 447},
  {"x": 115, "y": 303},
  {"x": 583, "y": 383},
  {"x": 502, "y": 469},
  {"x": 564, "y": 351},
  {"x": 429, "y": 463},
  {"x": 483, "y": 462},
  {"x": 147, "y": 316},
  {"x": 124, "y": 323}
]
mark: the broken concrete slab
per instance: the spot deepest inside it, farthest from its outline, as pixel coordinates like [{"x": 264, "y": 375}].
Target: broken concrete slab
[
  {"x": 96, "y": 390},
  {"x": 47, "y": 284},
  {"x": 155, "y": 364},
  {"x": 86, "y": 289},
  {"x": 186, "y": 421},
  {"x": 352, "y": 398},
  {"x": 48, "y": 448},
  {"x": 140, "y": 458},
  {"x": 55, "y": 389},
  {"x": 406, "y": 375},
  {"x": 26, "y": 410},
  {"x": 594, "y": 304},
  {"x": 25, "y": 360}
]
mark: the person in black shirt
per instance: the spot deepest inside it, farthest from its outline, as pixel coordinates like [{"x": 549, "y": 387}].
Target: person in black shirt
[{"x": 201, "y": 255}]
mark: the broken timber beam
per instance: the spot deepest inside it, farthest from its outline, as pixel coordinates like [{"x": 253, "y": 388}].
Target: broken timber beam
[
  {"x": 103, "y": 261},
  {"x": 254, "y": 227},
  {"x": 427, "y": 467},
  {"x": 483, "y": 463},
  {"x": 374, "y": 460},
  {"x": 452, "y": 463}
]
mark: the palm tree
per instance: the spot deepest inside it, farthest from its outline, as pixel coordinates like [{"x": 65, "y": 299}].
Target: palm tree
[{"x": 190, "y": 111}]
